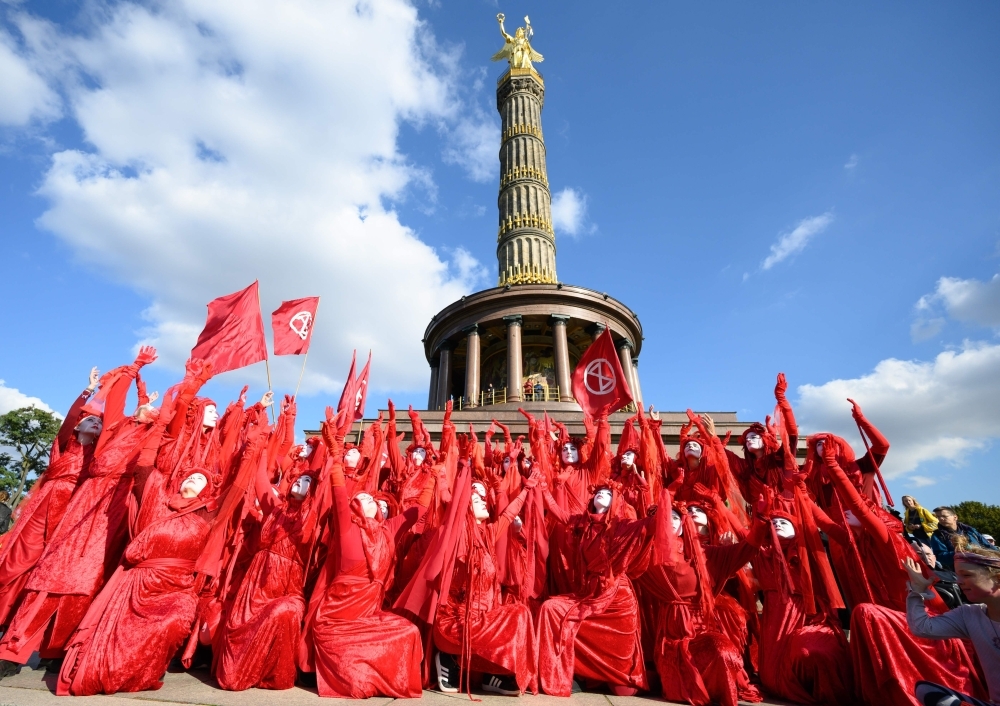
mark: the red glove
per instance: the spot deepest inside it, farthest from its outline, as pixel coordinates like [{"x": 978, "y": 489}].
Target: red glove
[
  {"x": 147, "y": 354},
  {"x": 780, "y": 388}
]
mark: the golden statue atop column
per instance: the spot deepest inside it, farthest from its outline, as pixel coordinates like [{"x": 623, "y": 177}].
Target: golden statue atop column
[{"x": 517, "y": 49}]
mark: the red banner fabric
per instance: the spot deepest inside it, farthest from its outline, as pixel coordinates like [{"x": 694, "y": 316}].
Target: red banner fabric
[
  {"x": 292, "y": 324},
  {"x": 599, "y": 383},
  {"x": 234, "y": 332}
]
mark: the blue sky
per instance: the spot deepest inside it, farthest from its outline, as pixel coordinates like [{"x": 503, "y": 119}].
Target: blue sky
[{"x": 152, "y": 158}]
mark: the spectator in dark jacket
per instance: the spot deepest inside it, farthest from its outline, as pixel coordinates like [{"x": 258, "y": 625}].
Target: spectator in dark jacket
[
  {"x": 5, "y": 511},
  {"x": 943, "y": 539}
]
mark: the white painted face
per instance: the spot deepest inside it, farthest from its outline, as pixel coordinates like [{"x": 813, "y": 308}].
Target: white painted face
[
  {"x": 211, "y": 417},
  {"x": 754, "y": 442},
  {"x": 506, "y": 464},
  {"x": 518, "y": 523},
  {"x": 193, "y": 485},
  {"x": 783, "y": 528},
  {"x": 89, "y": 429},
  {"x": 351, "y": 458},
  {"x": 628, "y": 459},
  {"x": 602, "y": 501},
  {"x": 418, "y": 456},
  {"x": 570, "y": 454},
  {"x": 675, "y": 520},
  {"x": 306, "y": 451},
  {"x": 692, "y": 449},
  {"x": 369, "y": 508},
  {"x": 145, "y": 414},
  {"x": 699, "y": 518},
  {"x": 300, "y": 488},
  {"x": 819, "y": 447},
  {"x": 525, "y": 464},
  {"x": 479, "y": 509},
  {"x": 479, "y": 489},
  {"x": 383, "y": 507}
]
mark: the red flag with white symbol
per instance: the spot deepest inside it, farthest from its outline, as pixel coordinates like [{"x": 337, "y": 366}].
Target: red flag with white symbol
[
  {"x": 599, "y": 383},
  {"x": 361, "y": 390},
  {"x": 292, "y": 324}
]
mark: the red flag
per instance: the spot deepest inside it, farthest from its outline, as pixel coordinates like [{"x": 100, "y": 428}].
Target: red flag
[
  {"x": 361, "y": 390},
  {"x": 347, "y": 396},
  {"x": 234, "y": 332},
  {"x": 599, "y": 383},
  {"x": 292, "y": 324}
]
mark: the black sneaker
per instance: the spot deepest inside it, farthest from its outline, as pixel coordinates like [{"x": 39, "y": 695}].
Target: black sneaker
[
  {"x": 53, "y": 666},
  {"x": 447, "y": 669},
  {"x": 8, "y": 669},
  {"x": 505, "y": 685}
]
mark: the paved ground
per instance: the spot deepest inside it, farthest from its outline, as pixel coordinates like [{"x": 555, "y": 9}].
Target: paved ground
[{"x": 35, "y": 688}]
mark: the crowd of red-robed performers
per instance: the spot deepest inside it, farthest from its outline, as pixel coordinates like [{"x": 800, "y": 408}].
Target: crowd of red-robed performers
[{"x": 508, "y": 565}]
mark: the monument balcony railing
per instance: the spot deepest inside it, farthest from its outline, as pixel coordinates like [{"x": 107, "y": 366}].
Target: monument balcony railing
[{"x": 499, "y": 396}]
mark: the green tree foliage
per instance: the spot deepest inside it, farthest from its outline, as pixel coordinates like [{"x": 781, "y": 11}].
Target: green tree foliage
[
  {"x": 985, "y": 518},
  {"x": 26, "y": 435}
]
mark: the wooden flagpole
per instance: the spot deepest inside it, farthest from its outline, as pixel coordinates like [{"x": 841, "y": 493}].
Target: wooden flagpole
[{"x": 267, "y": 365}]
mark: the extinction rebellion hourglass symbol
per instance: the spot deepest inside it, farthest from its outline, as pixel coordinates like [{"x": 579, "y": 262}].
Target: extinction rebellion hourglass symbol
[{"x": 599, "y": 377}]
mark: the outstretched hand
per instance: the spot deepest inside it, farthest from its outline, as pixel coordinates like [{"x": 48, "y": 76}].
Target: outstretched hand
[
  {"x": 147, "y": 354},
  {"x": 856, "y": 410},
  {"x": 709, "y": 423},
  {"x": 780, "y": 388},
  {"x": 653, "y": 414},
  {"x": 532, "y": 480},
  {"x": 95, "y": 377},
  {"x": 762, "y": 507},
  {"x": 268, "y": 399},
  {"x": 918, "y": 582}
]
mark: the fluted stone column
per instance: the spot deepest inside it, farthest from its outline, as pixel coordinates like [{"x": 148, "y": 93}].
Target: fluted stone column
[
  {"x": 433, "y": 389},
  {"x": 472, "y": 366},
  {"x": 625, "y": 356},
  {"x": 444, "y": 375},
  {"x": 560, "y": 346},
  {"x": 636, "y": 388},
  {"x": 526, "y": 242},
  {"x": 513, "y": 357}
]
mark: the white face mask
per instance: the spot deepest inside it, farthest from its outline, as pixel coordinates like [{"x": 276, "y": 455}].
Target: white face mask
[
  {"x": 418, "y": 456},
  {"x": 210, "y": 417},
  {"x": 699, "y": 518},
  {"x": 369, "y": 508},
  {"x": 479, "y": 489},
  {"x": 754, "y": 442},
  {"x": 602, "y": 501},
  {"x": 383, "y": 507},
  {"x": 351, "y": 458},
  {"x": 479, "y": 509},
  {"x": 89, "y": 429},
  {"x": 675, "y": 520},
  {"x": 692, "y": 449},
  {"x": 819, "y": 447},
  {"x": 570, "y": 454},
  {"x": 193, "y": 485},
  {"x": 783, "y": 528},
  {"x": 506, "y": 464},
  {"x": 300, "y": 488},
  {"x": 306, "y": 451},
  {"x": 628, "y": 458}
]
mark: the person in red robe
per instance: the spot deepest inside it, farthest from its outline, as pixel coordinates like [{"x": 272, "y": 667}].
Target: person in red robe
[
  {"x": 40, "y": 514},
  {"x": 257, "y": 642},
  {"x": 474, "y": 631},
  {"x": 360, "y": 650},
  {"x": 696, "y": 661},
  {"x": 88, "y": 543},
  {"x": 888, "y": 660},
  {"x": 594, "y": 632},
  {"x": 144, "y": 614}
]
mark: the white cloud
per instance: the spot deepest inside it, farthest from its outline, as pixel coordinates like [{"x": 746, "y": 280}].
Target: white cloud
[
  {"x": 569, "y": 212},
  {"x": 237, "y": 141},
  {"x": 968, "y": 300},
  {"x": 940, "y": 409},
  {"x": 851, "y": 163},
  {"x": 795, "y": 241},
  {"x": 920, "y": 481},
  {"x": 475, "y": 139},
  {"x": 24, "y": 95},
  {"x": 11, "y": 398}
]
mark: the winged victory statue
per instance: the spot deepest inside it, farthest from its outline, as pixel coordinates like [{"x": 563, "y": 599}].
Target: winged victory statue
[{"x": 517, "y": 49}]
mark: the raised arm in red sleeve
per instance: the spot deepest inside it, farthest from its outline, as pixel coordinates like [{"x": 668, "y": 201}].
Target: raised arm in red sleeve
[{"x": 850, "y": 496}]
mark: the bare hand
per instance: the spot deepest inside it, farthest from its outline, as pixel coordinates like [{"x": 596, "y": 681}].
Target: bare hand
[
  {"x": 709, "y": 424},
  {"x": 918, "y": 582},
  {"x": 268, "y": 399},
  {"x": 153, "y": 397},
  {"x": 653, "y": 414},
  {"x": 95, "y": 377}
]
